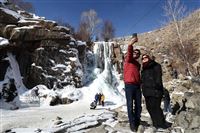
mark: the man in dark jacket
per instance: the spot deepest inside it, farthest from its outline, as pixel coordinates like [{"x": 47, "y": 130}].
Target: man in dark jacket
[
  {"x": 152, "y": 88},
  {"x": 132, "y": 85}
]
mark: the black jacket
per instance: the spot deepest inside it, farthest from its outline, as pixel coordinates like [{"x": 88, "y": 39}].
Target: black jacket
[{"x": 152, "y": 80}]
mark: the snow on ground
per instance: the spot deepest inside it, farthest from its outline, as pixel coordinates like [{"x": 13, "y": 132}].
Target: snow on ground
[
  {"x": 41, "y": 117},
  {"x": 32, "y": 118}
]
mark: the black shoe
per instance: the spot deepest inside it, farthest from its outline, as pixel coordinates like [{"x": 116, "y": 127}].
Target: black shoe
[
  {"x": 136, "y": 127},
  {"x": 168, "y": 124},
  {"x": 137, "y": 123},
  {"x": 162, "y": 126},
  {"x": 133, "y": 129}
]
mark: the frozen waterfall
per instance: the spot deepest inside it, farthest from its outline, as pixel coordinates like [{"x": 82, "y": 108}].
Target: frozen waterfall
[
  {"x": 107, "y": 78},
  {"x": 16, "y": 74}
]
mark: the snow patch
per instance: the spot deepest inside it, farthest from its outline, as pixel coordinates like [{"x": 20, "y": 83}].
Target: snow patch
[
  {"x": 13, "y": 13},
  {"x": 3, "y": 41},
  {"x": 81, "y": 43},
  {"x": 25, "y": 27}
]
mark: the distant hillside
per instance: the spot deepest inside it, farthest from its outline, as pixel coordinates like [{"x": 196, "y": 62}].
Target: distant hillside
[{"x": 159, "y": 42}]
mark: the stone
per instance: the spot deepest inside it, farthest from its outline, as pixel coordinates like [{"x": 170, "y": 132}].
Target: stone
[
  {"x": 196, "y": 85},
  {"x": 61, "y": 29},
  {"x": 193, "y": 101},
  {"x": 195, "y": 123},
  {"x": 192, "y": 130},
  {"x": 58, "y": 122},
  {"x": 66, "y": 101},
  {"x": 8, "y": 18},
  {"x": 26, "y": 14},
  {"x": 55, "y": 101},
  {"x": 183, "y": 119},
  {"x": 48, "y": 24},
  {"x": 8, "y": 30},
  {"x": 9, "y": 91},
  {"x": 58, "y": 118},
  {"x": 141, "y": 129}
]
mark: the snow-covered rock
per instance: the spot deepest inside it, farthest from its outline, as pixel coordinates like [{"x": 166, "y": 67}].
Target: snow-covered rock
[{"x": 3, "y": 41}]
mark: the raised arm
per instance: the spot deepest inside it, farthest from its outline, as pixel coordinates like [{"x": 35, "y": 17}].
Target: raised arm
[{"x": 129, "y": 56}]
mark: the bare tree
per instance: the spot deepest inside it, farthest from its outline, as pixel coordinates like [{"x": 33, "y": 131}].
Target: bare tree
[
  {"x": 82, "y": 33},
  {"x": 88, "y": 25},
  {"x": 175, "y": 11},
  {"x": 108, "y": 30},
  {"x": 27, "y": 6}
]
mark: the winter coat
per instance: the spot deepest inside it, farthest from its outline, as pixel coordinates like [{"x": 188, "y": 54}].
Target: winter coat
[
  {"x": 97, "y": 97},
  {"x": 131, "y": 68},
  {"x": 152, "y": 80},
  {"x": 102, "y": 98}
]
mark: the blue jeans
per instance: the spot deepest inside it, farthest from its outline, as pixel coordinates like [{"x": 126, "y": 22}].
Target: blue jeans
[
  {"x": 167, "y": 107},
  {"x": 133, "y": 92}
]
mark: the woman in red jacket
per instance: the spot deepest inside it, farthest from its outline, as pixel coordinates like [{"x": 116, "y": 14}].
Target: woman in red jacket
[{"x": 132, "y": 85}]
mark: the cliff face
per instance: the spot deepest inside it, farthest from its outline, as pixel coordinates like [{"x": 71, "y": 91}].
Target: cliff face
[{"x": 46, "y": 53}]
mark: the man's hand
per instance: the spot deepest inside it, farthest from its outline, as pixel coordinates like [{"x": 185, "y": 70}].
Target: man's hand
[{"x": 133, "y": 40}]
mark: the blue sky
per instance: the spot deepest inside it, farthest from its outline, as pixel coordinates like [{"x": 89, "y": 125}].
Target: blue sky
[{"x": 128, "y": 16}]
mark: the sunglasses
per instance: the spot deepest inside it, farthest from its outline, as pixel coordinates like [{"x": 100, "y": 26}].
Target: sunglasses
[
  {"x": 136, "y": 53},
  {"x": 144, "y": 57}
]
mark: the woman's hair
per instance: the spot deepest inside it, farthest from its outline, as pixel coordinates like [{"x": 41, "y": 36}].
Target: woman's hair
[{"x": 146, "y": 56}]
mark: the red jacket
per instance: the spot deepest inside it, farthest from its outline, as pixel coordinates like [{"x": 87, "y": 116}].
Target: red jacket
[{"x": 131, "y": 68}]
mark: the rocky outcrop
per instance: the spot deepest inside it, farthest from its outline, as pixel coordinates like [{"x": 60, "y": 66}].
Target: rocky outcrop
[
  {"x": 117, "y": 57},
  {"x": 188, "y": 115},
  {"x": 46, "y": 53}
]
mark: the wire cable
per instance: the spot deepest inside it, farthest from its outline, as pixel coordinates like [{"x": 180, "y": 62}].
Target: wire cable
[{"x": 145, "y": 15}]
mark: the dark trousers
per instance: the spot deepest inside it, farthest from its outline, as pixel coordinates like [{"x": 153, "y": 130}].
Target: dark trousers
[
  {"x": 155, "y": 111},
  {"x": 133, "y": 92}
]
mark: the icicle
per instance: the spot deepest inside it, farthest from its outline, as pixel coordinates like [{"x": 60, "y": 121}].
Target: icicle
[
  {"x": 98, "y": 58},
  {"x": 107, "y": 73}
]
